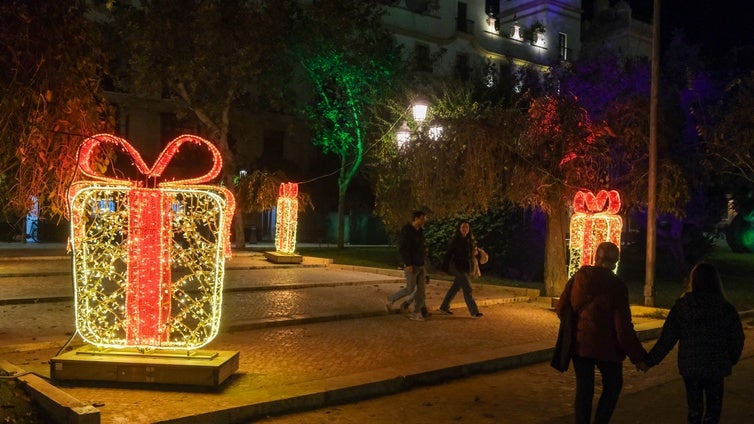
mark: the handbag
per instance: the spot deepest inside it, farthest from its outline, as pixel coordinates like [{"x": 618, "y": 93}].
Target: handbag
[
  {"x": 483, "y": 256},
  {"x": 563, "y": 352}
]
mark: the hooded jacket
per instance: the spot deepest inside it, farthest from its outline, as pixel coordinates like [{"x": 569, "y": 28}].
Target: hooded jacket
[
  {"x": 460, "y": 252},
  {"x": 411, "y": 246},
  {"x": 604, "y": 330},
  {"x": 710, "y": 334}
]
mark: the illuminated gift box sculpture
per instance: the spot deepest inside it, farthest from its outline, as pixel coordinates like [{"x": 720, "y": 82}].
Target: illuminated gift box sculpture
[
  {"x": 595, "y": 220},
  {"x": 287, "y": 218},
  {"x": 148, "y": 262}
]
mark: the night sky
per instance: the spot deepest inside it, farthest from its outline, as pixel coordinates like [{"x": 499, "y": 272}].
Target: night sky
[{"x": 717, "y": 27}]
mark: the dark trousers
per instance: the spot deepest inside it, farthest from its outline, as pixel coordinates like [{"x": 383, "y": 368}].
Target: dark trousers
[
  {"x": 461, "y": 282},
  {"x": 612, "y": 384},
  {"x": 700, "y": 391}
]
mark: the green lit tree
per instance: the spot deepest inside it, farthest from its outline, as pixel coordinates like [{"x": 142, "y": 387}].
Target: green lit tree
[
  {"x": 50, "y": 71},
  {"x": 206, "y": 56},
  {"x": 349, "y": 60}
]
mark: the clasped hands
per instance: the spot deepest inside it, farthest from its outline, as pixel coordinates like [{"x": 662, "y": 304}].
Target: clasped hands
[{"x": 642, "y": 366}]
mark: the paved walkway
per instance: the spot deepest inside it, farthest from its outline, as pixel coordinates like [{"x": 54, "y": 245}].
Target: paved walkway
[{"x": 308, "y": 335}]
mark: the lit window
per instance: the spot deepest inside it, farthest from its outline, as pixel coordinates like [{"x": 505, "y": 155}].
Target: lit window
[{"x": 563, "y": 46}]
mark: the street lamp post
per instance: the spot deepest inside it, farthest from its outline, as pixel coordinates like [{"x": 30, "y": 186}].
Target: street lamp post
[{"x": 649, "y": 287}]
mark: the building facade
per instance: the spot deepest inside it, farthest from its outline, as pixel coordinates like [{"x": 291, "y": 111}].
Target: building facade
[{"x": 450, "y": 37}]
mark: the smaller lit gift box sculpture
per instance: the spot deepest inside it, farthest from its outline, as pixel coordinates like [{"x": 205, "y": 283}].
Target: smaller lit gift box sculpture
[
  {"x": 595, "y": 220},
  {"x": 287, "y": 218},
  {"x": 286, "y": 223},
  {"x": 148, "y": 255}
]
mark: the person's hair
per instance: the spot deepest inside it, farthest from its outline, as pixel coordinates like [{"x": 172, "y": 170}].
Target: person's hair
[
  {"x": 458, "y": 230},
  {"x": 704, "y": 278},
  {"x": 606, "y": 250},
  {"x": 417, "y": 214}
]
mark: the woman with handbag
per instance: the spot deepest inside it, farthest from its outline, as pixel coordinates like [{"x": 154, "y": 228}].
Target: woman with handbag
[{"x": 461, "y": 261}]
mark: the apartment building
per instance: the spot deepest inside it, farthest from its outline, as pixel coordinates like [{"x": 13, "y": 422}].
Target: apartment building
[{"x": 450, "y": 37}]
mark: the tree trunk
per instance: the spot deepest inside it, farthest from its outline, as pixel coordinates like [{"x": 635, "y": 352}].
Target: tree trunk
[
  {"x": 556, "y": 266},
  {"x": 238, "y": 230},
  {"x": 238, "y": 225},
  {"x": 341, "y": 214}
]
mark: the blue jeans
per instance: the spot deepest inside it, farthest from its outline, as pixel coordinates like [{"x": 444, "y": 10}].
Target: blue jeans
[
  {"x": 700, "y": 391},
  {"x": 415, "y": 288},
  {"x": 462, "y": 281},
  {"x": 612, "y": 384}
]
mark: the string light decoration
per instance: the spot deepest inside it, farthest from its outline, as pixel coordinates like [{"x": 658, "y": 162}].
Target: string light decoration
[
  {"x": 148, "y": 261},
  {"x": 595, "y": 220},
  {"x": 286, "y": 221}
]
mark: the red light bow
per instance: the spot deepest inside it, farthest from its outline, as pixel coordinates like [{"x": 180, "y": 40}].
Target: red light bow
[{"x": 587, "y": 202}]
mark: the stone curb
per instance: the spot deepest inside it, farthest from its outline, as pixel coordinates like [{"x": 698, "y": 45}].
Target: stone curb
[
  {"x": 531, "y": 294},
  {"x": 52, "y": 299},
  {"x": 59, "y": 405}
]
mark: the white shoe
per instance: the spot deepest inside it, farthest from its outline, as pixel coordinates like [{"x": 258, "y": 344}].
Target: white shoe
[{"x": 416, "y": 317}]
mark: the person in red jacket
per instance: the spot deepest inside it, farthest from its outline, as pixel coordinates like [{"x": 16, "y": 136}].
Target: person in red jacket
[{"x": 605, "y": 334}]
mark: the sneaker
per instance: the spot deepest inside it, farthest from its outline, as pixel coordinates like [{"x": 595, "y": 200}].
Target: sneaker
[
  {"x": 478, "y": 315},
  {"x": 389, "y": 305},
  {"x": 445, "y": 311},
  {"x": 416, "y": 317}
]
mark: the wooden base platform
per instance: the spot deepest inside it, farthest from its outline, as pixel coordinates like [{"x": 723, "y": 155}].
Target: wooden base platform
[
  {"x": 197, "y": 368},
  {"x": 283, "y": 258}
]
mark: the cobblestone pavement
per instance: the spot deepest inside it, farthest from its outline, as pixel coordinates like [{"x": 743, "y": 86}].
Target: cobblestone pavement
[
  {"x": 538, "y": 394},
  {"x": 287, "y": 362}
]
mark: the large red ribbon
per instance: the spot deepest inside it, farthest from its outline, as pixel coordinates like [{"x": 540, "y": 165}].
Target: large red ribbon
[
  {"x": 587, "y": 202},
  {"x": 148, "y": 297},
  {"x": 92, "y": 143}
]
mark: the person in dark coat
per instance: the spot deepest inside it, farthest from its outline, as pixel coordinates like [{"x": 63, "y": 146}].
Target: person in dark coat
[
  {"x": 604, "y": 333},
  {"x": 711, "y": 338},
  {"x": 412, "y": 252},
  {"x": 459, "y": 261}
]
